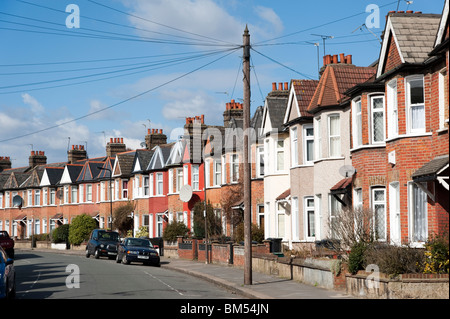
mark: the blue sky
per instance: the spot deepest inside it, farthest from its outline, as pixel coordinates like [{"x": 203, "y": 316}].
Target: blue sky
[{"x": 181, "y": 52}]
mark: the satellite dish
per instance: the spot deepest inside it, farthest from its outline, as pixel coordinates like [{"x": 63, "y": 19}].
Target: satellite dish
[
  {"x": 59, "y": 194},
  {"x": 186, "y": 193},
  {"x": 347, "y": 171},
  {"x": 17, "y": 201}
]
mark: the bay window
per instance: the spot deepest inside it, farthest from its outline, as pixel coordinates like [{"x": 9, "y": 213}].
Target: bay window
[{"x": 308, "y": 144}]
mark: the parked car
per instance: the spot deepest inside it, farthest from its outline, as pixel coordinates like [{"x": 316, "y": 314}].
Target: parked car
[
  {"x": 102, "y": 243},
  {"x": 7, "y": 243},
  {"x": 7, "y": 276},
  {"x": 137, "y": 250}
]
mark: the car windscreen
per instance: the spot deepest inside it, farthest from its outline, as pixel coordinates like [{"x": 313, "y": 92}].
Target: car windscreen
[
  {"x": 138, "y": 242},
  {"x": 108, "y": 236}
]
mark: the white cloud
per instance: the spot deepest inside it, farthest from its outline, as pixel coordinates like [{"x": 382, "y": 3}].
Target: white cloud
[
  {"x": 36, "y": 107},
  {"x": 275, "y": 25}
]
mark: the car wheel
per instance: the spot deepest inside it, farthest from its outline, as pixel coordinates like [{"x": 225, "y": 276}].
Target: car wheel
[
  {"x": 118, "y": 259},
  {"x": 87, "y": 254},
  {"x": 96, "y": 254},
  {"x": 124, "y": 260}
]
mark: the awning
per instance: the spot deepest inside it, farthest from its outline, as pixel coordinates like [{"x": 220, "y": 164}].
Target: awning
[
  {"x": 21, "y": 218},
  {"x": 58, "y": 216},
  {"x": 342, "y": 188},
  {"x": 284, "y": 195},
  {"x": 436, "y": 169}
]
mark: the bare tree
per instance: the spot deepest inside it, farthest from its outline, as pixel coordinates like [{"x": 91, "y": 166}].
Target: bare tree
[{"x": 350, "y": 226}]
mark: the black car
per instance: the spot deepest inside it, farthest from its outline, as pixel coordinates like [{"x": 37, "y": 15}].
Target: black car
[
  {"x": 137, "y": 250},
  {"x": 7, "y": 276},
  {"x": 102, "y": 243}
]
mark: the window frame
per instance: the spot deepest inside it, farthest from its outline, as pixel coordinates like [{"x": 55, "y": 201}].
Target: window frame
[
  {"x": 392, "y": 108},
  {"x": 409, "y": 106},
  {"x": 294, "y": 146},
  {"x": 373, "y": 203},
  {"x": 411, "y": 214},
  {"x": 357, "y": 122},
  {"x": 337, "y": 137},
  {"x": 307, "y": 139},
  {"x": 307, "y": 210},
  {"x": 372, "y": 97}
]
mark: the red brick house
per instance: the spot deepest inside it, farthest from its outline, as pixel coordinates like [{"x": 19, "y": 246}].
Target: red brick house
[{"x": 400, "y": 131}]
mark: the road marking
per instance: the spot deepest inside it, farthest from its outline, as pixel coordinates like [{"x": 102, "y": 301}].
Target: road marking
[
  {"x": 181, "y": 294},
  {"x": 32, "y": 285}
]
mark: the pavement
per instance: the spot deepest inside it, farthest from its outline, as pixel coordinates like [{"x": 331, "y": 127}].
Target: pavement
[{"x": 232, "y": 278}]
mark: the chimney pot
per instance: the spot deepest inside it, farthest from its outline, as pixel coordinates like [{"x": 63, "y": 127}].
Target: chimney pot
[
  {"x": 160, "y": 131},
  {"x": 400, "y": 11},
  {"x": 121, "y": 140},
  {"x": 418, "y": 12},
  {"x": 73, "y": 146},
  {"x": 409, "y": 11},
  {"x": 274, "y": 86},
  {"x": 111, "y": 140},
  {"x": 348, "y": 59},
  {"x": 342, "y": 57},
  {"x": 286, "y": 86},
  {"x": 280, "y": 86},
  {"x": 203, "y": 119}
]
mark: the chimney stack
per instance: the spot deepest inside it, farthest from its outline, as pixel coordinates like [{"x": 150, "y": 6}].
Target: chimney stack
[
  {"x": 115, "y": 146},
  {"x": 77, "y": 153},
  {"x": 37, "y": 158},
  {"x": 154, "y": 138},
  {"x": 5, "y": 163}
]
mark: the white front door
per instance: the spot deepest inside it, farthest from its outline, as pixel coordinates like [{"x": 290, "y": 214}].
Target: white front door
[{"x": 394, "y": 213}]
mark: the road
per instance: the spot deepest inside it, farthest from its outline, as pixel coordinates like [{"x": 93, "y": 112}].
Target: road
[{"x": 46, "y": 275}]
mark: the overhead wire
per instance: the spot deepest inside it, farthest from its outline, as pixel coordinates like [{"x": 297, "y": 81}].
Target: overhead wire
[
  {"x": 120, "y": 102},
  {"x": 147, "y": 68}
]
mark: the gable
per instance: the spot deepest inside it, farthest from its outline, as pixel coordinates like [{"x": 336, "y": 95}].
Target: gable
[
  {"x": 65, "y": 178},
  {"x": 393, "y": 57},
  {"x": 292, "y": 110}
]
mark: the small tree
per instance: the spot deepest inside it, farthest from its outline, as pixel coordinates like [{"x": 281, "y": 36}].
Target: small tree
[
  {"x": 81, "y": 227},
  {"x": 60, "y": 234},
  {"x": 257, "y": 233},
  {"x": 214, "y": 225},
  {"x": 175, "y": 229},
  {"x": 122, "y": 220}
]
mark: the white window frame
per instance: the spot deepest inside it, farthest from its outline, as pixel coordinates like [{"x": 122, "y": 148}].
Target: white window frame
[
  {"x": 74, "y": 194},
  {"x": 159, "y": 184},
  {"x": 89, "y": 193},
  {"x": 29, "y": 198},
  {"x": 260, "y": 162},
  {"x": 52, "y": 198},
  {"x": 372, "y": 97},
  {"x": 234, "y": 168},
  {"x": 37, "y": 197},
  {"x": 336, "y": 137},
  {"x": 375, "y": 203},
  {"x": 146, "y": 185},
  {"x": 279, "y": 150},
  {"x": 195, "y": 178},
  {"x": 66, "y": 194},
  {"x": 207, "y": 165},
  {"x": 124, "y": 189},
  {"x": 151, "y": 180},
  {"x": 224, "y": 169},
  {"x": 411, "y": 214},
  {"x": 295, "y": 219},
  {"x": 217, "y": 172},
  {"x": 318, "y": 138},
  {"x": 392, "y": 108},
  {"x": 307, "y": 139},
  {"x": 441, "y": 81},
  {"x": 307, "y": 210},
  {"x": 294, "y": 146},
  {"x": 179, "y": 179},
  {"x": 171, "y": 181},
  {"x": 409, "y": 106},
  {"x": 357, "y": 122}
]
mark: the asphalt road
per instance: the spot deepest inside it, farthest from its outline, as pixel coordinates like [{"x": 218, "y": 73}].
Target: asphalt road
[{"x": 42, "y": 275}]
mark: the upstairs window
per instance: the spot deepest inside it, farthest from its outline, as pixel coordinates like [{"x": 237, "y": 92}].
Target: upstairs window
[
  {"x": 357, "y": 123},
  {"x": 308, "y": 144},
  {"x": 377, "y": 121},
  {"x": 334, "y": 136},
  {"x": 392, "y": 108},
  {"x": 415, "y": 104}
]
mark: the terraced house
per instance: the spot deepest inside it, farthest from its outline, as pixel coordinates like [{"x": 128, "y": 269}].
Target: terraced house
[{"x": 374, "y": 137}]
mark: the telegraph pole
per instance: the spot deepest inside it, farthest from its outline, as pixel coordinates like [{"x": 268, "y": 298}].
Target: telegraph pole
[{"x": 246, "y": 163}]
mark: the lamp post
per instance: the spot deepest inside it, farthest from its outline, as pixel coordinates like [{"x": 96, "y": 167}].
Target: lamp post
[{"x": 110, "y": 192}]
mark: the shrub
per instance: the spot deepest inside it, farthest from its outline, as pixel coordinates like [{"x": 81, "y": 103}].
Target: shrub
[
  {"x": 60, "y": 234},
  {"x": 122, "y": 220},
  {"x": 80, "y": 228},
  {"x": 394, "y": 260},
  {"x": 142, "y": 231},
  {"x": 356, "y": 257},
  {"x": 436, "y": 256},
  {"x": 175, "y": 229},
  {"x": 257, "y": 233},
  {"x": 214, "y": 226}
]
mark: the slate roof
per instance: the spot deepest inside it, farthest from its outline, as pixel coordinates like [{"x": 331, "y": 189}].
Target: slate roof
[
  {"x": 416, "y": 34},
  {"x": 144, "y": 157},
  {"x": 335, "y": 81},
  {"x": 276, "y": 103},
  {"x": 431, "y": 168},
  {"x": 125, "y": 160},
  {"x": 54, "y": 174}
]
